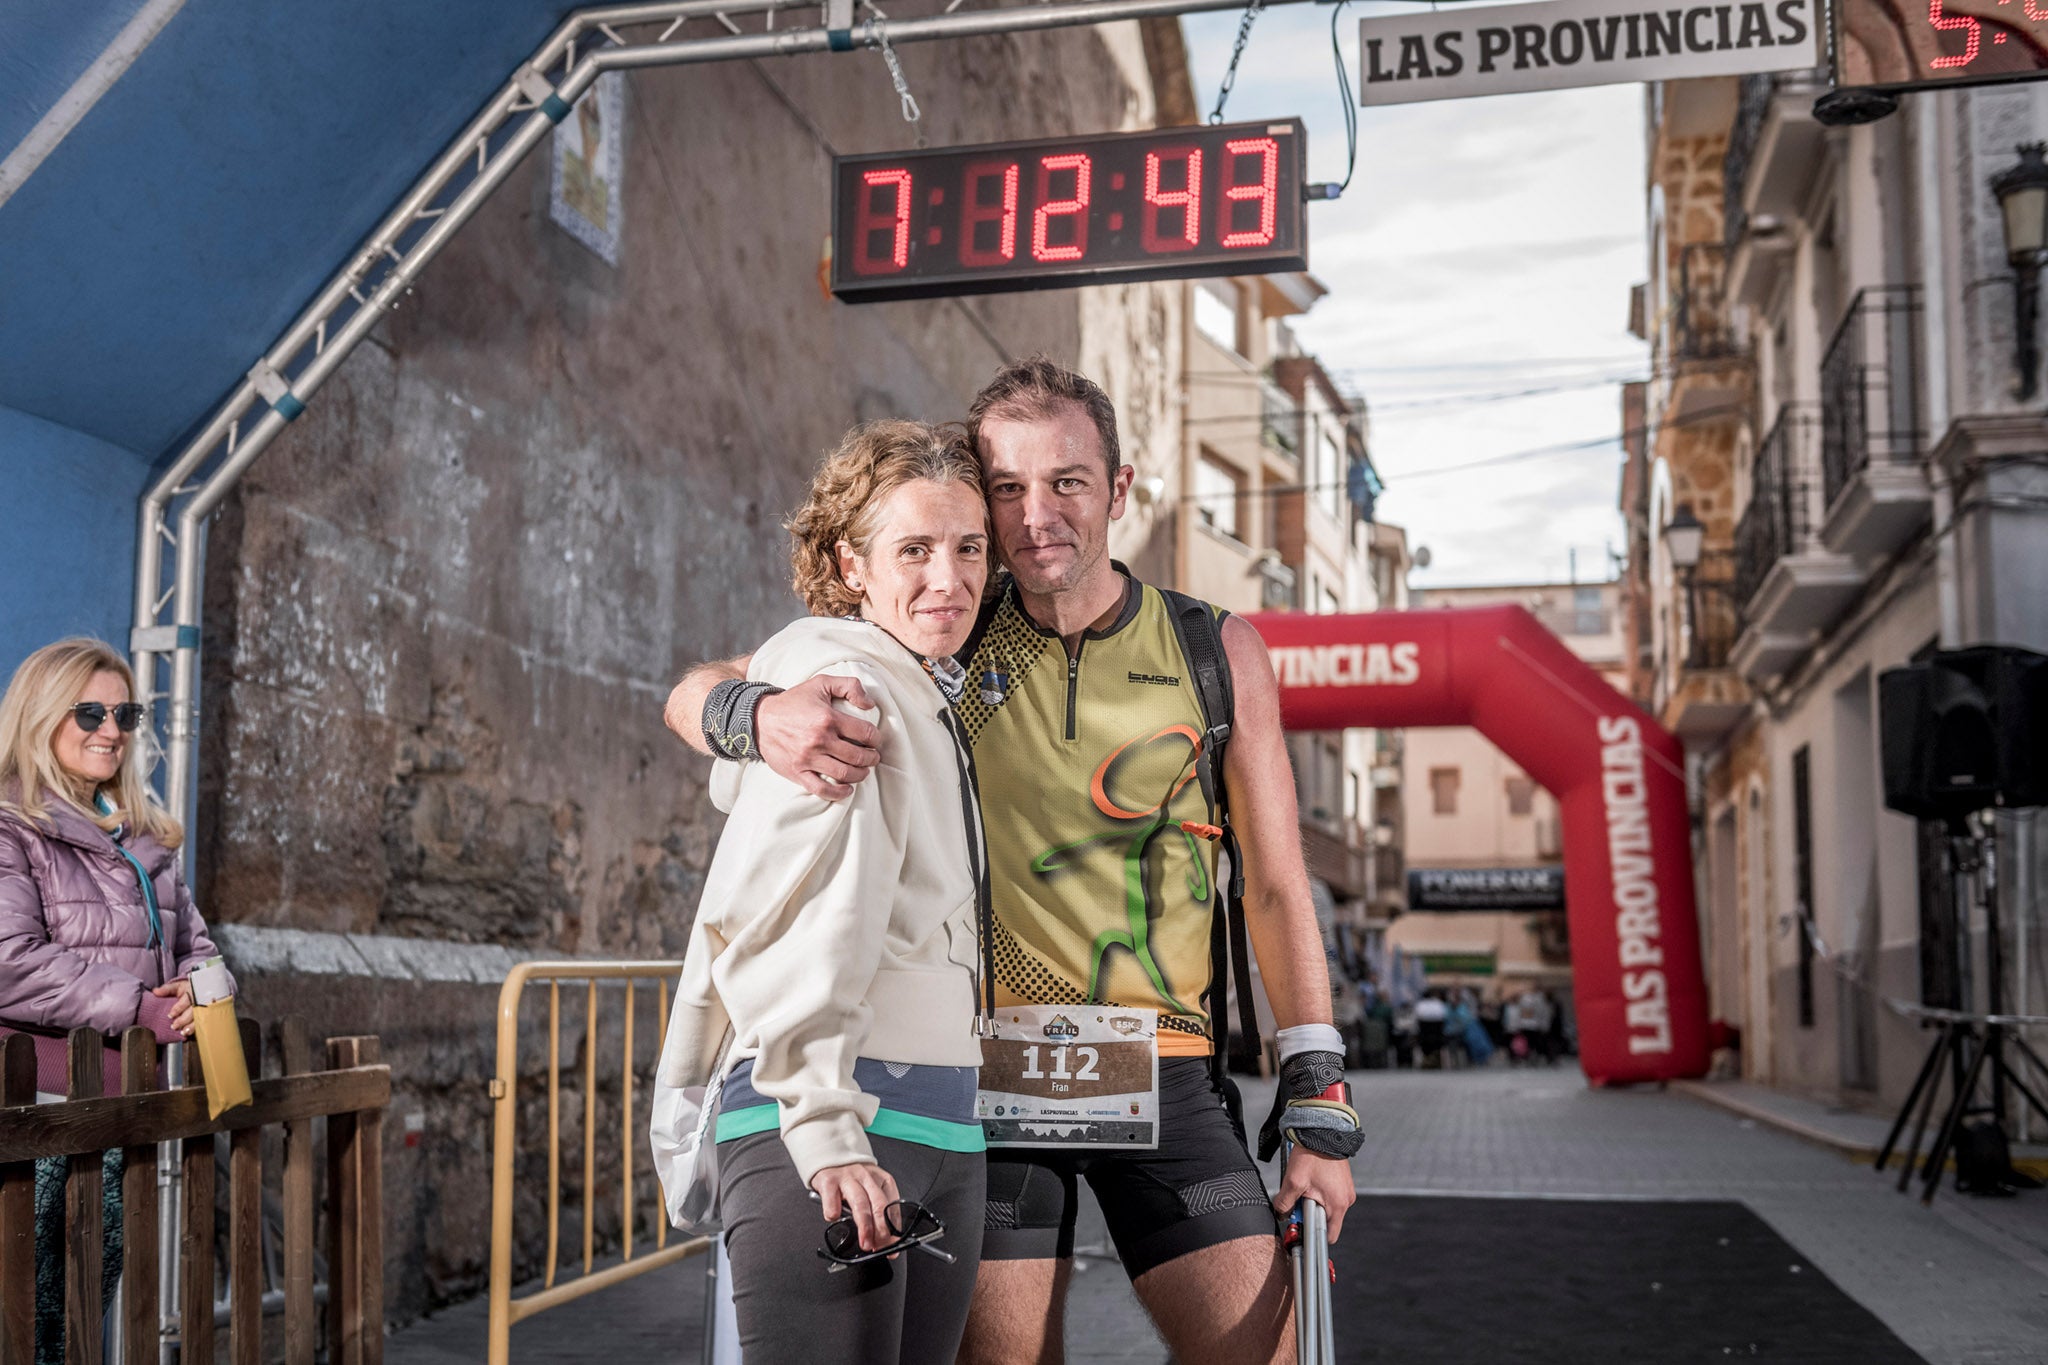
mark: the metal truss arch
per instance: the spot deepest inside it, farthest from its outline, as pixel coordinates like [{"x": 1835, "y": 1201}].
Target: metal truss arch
[{"x": 377, "y": 276}]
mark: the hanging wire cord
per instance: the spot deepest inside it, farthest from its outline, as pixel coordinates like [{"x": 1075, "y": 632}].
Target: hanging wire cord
[{"x": 1326, "y": 190}]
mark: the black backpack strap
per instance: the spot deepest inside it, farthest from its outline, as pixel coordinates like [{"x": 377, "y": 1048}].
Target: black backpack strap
[{"x": 1199, "y": 631}]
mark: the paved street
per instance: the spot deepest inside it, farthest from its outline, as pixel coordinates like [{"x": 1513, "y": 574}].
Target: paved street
[{"x": 1965, "y": 1283}]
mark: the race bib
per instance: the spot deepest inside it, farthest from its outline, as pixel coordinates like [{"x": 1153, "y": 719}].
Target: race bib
[{"x": 1078, "y": 1076}]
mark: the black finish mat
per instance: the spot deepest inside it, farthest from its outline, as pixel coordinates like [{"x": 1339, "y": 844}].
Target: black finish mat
[{"x": 1527, "y": 1281}]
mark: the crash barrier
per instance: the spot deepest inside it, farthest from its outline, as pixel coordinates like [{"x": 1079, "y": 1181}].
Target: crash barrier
[
  {"x": 1618, "y": 775},
  {"x": 350, "y": 1094},
  {"x": 630, "y": 1141}
]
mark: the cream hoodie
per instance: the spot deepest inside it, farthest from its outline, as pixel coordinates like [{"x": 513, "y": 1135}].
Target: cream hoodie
[{"x": 831, "y": 930}]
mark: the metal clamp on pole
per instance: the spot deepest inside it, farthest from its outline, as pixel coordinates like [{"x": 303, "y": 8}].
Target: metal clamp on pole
[{"x": 839, "y": 25}]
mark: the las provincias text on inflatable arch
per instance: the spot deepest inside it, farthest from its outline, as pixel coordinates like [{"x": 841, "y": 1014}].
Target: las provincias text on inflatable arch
[{"x": 1617, "y": 774}]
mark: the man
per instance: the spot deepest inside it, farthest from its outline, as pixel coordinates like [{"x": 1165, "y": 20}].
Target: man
[{"x": 1086, "y": 724}]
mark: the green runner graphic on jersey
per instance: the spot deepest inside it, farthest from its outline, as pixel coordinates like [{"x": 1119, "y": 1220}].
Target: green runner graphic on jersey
[{"x": 1084, "y": 764}]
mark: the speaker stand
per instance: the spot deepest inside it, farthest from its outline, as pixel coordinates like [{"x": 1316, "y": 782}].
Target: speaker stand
[{"x": 1972, "y": 848}]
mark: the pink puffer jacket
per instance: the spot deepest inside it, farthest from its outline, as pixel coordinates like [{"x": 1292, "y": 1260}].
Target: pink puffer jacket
[{"x": 74, "y": 932}]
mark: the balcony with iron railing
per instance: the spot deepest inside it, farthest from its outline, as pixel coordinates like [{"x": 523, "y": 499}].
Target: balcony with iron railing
[
  {"x": 1701, "y": 326},
  {"x": 1712, "y": 621},
  {"x": 1706, "y": 371},
  {"x": 1279, "y": 421},
  {"x": 1700, "y": 698},
  {"x": 1787, "y": 584},
  {"x": 1778, "y": 520},
  {"x": 1873, "y": 434},
  {"x": 1339, "y": 858},
  {"x": 1774, "y": 149}
]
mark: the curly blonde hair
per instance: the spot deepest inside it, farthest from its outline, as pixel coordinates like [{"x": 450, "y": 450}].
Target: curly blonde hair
[{"x": 872, "y": 461}]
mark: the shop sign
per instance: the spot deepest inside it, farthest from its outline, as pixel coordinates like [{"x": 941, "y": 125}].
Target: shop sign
[{"x": 1486, "y": 888}]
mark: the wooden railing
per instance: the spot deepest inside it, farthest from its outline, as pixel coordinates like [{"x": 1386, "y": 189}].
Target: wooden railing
[{"x": 351, "y": 1094}]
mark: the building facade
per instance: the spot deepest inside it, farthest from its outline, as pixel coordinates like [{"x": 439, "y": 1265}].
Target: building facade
[
  {"x": 1837, "y": 405},
  {"x": 1484, "y": 843},
  {"x": 1278, "y": 485}
]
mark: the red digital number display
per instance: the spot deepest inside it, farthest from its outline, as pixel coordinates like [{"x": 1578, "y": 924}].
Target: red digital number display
[
  {"x": 1919, "y": 44},
  {"x": 1168, "y": 203}
]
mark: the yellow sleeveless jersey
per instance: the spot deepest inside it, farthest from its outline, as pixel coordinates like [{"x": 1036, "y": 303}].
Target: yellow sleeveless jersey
[{"x": 1087, "y": 768}]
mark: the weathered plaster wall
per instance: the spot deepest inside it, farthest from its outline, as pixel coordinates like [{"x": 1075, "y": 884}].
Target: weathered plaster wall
[{"x": 443, "y": 613}]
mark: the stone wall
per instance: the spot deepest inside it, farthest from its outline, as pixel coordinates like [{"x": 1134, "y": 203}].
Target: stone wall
[{"x": 443, "y": 613}]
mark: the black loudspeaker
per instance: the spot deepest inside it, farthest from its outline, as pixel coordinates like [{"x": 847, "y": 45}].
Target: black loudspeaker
[{"x": 1965, "y": 730}]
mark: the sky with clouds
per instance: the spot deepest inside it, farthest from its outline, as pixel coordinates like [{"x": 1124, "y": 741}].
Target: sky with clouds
[{"x": 1485, "y": 249}]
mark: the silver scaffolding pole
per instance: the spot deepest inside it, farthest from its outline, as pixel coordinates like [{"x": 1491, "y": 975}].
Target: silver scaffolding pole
[{"x": 174, "y": 511}]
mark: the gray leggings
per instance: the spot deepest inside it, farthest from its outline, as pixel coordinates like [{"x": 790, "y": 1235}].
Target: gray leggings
[{"x": 792, "y": 1311}]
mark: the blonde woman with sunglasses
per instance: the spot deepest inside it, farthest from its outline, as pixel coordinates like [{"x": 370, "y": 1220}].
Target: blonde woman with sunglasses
[{"x": 97, "y": 927}]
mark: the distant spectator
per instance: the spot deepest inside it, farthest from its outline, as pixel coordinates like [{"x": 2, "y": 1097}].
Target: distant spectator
[
  {"x": 1555, "y": 1044},
  {"x": 1514, "y": 1035},
  {"x": 1456, "y": 1022},
  {"x": 97, "y": 928},
  {"x": 1430, "y": 1016},
  {"x": 1530, "y": 1025}
]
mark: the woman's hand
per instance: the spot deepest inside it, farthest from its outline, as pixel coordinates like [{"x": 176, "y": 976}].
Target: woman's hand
[
  {"x": 180, "y": 992},
  {"x": 863, "y": 1191}
]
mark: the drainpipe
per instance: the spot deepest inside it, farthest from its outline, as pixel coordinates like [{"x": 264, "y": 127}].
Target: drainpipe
[{"x": 1927, "y": 126}]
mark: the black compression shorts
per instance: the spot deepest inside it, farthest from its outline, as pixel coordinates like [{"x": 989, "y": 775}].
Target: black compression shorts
[{"x": 1198, "y": 1189}]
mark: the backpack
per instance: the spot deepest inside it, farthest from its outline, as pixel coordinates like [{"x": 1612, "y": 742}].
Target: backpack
[{"x": 1199, "y": 632}]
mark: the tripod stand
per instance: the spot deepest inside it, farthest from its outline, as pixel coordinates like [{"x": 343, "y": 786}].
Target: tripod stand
[{"x": 1972, "y": 849}]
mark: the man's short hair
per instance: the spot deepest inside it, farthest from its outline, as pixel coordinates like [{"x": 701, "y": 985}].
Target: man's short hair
[{"x": 1028, "y": 390}]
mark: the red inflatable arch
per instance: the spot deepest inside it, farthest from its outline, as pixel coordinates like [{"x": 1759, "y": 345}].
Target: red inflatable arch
[{"x": 1619, "y": 776}]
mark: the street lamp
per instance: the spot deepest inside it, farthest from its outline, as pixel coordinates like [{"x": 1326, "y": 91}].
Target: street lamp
[
  {"x": 2022, "y": 192},
  {"x": 1685, "y": 536}
]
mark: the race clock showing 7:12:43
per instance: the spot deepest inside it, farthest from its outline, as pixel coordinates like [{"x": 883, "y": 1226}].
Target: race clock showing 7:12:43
[{"x": 1168, "y": 203}]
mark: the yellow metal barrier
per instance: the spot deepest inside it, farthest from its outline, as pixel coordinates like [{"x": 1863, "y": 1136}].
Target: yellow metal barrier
[{"x": 506, "y": 1310}]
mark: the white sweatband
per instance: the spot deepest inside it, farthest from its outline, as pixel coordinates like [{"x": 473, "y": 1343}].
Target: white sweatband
[{"x": 1309, "y": 1038}]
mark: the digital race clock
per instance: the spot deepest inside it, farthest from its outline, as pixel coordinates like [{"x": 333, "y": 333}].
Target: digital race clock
[
  {"x": 1165, "y": 204},
  {"x": 1918, "y": 44}
]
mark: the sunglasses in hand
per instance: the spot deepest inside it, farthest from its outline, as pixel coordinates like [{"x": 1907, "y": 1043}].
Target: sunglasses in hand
[{"x": 916, "y": 1228}]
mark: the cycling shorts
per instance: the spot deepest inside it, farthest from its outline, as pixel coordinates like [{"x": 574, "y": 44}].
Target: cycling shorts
[{"x": 1198, "y": 1189}]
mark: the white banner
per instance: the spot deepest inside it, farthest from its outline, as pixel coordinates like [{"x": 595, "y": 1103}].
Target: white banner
[{"x": 1466, "y": 50}]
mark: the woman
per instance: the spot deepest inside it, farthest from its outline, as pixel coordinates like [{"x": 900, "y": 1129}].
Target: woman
[
  {"x": 832, "y": 968},
  {"x": 97, "y": 929}
]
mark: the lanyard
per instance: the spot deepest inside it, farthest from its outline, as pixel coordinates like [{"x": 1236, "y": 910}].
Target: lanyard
[{"x": 156, "y": 921}]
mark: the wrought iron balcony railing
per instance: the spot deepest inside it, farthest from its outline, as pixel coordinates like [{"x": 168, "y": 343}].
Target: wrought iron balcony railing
[
  {"x": 1279, "y": 419},
  {"x": 1752, "y": 107},
  {"x": 1711, "y": 619},
  {"x": 1779, "y": 520},
  {"x": 1870, "y": 387},
  {"x": 1701, "y": 328}
]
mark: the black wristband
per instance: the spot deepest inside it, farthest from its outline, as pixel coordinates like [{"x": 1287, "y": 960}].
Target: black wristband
[
  {"x": 1306, "y": 1075},
  {"x": 728, "y": 718}
]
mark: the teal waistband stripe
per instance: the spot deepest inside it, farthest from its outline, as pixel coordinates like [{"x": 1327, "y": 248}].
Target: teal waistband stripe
[
  {"x": 936, "y": 1133},
  {"x": 739, "y": 1123},
  {"x": 946, "y": 1137}
]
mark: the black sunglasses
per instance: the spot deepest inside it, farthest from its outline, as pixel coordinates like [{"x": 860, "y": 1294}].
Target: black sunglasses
[
  {"x": 91, "y": 715},
  {"x": 916, "y": 1228}
]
